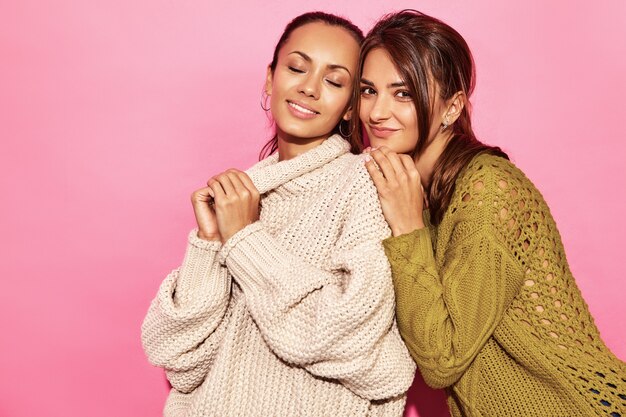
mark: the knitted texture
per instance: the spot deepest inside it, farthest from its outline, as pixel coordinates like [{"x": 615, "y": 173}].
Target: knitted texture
[
  {"x": 488, "y": 306},
  {"x": 294, "y": 314}
]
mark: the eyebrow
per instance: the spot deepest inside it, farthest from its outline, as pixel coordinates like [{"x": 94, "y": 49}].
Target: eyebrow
[
  {"x": 392, "y": 85},
  {"x": 330, "y": 66}
]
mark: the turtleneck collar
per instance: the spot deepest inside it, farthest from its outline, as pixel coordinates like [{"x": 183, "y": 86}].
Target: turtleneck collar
[{"x": 270, "y": 173}]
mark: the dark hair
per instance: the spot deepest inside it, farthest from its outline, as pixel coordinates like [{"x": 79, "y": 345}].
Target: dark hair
[
  {"x": 306, "y": 18},
  {"x": 424, "y": 48}
]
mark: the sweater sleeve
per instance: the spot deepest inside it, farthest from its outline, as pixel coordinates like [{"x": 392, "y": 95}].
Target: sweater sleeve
[
  {"x": 338, "y": 323},
  {"x": 446, "y": 311},
  {"x": 181, "y": 332}
]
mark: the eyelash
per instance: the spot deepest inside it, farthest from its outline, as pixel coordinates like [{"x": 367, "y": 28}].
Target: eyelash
[
  {"x": 299, "y": 71},
  {"x": 296, "y": 70},
  {"x": 402, "y": 94}
]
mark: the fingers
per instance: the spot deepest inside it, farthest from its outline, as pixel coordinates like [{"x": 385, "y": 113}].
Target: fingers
[
  {"x": 227, "y": 184},
  {"x": 394, "y": 160},
  {"x": 233, "y": 184},
  {"x": 216, "y": 188},
  {"x": 409, "y": 167},
  {"x": 201, "y": 195},
  {"x": 384, "y": 164},
  {"x": 391, "y": 165},
  {"x": 238, "y": 188},
  {"x": 247, "y": 182},
  {"x": 377, "y": 176}
]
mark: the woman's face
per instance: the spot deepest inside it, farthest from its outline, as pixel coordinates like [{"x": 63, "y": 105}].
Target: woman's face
[
  {"x": 386, "y": 109},
  {"x": 310, "y": 88}
]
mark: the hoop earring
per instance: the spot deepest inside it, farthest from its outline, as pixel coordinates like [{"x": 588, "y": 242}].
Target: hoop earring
[
  {"x": 264, "y": 105},
  {"x": 342, "y": 132}
]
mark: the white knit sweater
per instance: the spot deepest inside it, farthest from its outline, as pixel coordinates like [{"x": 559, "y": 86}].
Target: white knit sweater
[{"x": 294, "y": 315}]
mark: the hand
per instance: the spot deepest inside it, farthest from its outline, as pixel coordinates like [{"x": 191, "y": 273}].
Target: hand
[
  {"x": 399, "y": 188},
  {"x": 236, "y": 202},
  {"x": 202, "y": 202}
]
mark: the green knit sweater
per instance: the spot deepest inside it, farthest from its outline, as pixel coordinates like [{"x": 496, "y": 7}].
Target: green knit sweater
[{"x": 489, "y": 309}]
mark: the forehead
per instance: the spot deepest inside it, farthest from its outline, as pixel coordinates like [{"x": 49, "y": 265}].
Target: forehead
[
  {"x": 323, "y": 42},
  {"x": 378, "y": 65}
]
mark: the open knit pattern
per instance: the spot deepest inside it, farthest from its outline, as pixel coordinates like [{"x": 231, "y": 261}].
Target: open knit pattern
[
  {"x": 294, "y": 315},
  {"x": 488, "y": 306}
]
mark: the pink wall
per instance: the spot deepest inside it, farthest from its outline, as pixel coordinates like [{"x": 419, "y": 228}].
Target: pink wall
[{"x": 111, "y": 113}]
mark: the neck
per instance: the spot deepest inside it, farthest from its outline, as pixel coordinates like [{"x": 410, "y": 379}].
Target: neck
[
  {"x": 425, "y": 163},
  {"x": 289, "y": 146}
]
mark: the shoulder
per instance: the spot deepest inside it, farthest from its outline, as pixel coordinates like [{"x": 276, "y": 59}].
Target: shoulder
[
  {"x": 487, "y": 167},
  {"x": 357, "y": 177},
  {"x": 492, "y": 177},
  {"x": 365, "y": 212},
  {"x": 491, "y": 190}
]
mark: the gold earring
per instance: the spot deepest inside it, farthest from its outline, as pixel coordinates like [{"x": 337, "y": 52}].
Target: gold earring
[
  {"x": 341, "y": 131},
  {"x": 264, "y": 98}
]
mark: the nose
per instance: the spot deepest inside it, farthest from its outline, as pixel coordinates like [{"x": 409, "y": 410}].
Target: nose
[
  {"x": 310, "y": 86},
  {"x": 381, "y": 110}
]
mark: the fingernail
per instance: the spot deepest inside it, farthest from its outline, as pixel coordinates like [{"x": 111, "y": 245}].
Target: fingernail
[{"x": 367, "y": 158}]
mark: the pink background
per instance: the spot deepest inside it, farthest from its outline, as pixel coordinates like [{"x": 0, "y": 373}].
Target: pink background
[{"x": 111, "y": 113}]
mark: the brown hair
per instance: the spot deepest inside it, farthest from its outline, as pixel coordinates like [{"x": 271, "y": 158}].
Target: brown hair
[
  {"x": 426, "y": 50},
  {"x": 310, "y": 17}
]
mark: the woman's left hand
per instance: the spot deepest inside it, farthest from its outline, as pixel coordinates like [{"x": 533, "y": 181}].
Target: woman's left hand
[
  {"x": 236, "y": 202},
  {"x": 399, "y": 189}
]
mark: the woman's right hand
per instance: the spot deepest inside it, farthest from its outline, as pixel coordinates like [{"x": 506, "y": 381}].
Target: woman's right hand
[
  {"x": 399, "y": 188},
  {"x": 202, "y": 202}
]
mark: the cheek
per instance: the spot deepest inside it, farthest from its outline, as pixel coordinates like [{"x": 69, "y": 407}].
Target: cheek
[
  {"x": 364, "y": 110},
  {"x": 409, "y": 119},
  {"x": 281, "y": 83},
  {"x": 337, "y": 101}
]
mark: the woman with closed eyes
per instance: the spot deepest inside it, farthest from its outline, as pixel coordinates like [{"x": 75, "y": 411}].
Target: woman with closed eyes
[{"x": 284, "y": 304}]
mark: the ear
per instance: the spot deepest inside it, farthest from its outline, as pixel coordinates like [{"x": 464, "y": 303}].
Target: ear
[
  {"x": 455, "y": 106},
  {"x": 268, "y": 81},
  {"x": 348, "y": 114}
]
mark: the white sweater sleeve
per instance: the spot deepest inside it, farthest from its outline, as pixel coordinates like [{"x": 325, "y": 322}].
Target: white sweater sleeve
[
  {"x": 337, "y": 324},
  {"x": 182, "y": 331}
]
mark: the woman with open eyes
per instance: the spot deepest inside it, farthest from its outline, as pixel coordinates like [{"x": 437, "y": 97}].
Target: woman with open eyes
[
  {"x": 486, "y": 302},
  {"x": 284, "y": 303}
]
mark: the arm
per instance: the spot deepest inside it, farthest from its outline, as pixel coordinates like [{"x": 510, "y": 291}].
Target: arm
[
  {"x": 181, "y": 331},
  {"x": 447, "y": 311},
  {"x": 339, "y": 324}
]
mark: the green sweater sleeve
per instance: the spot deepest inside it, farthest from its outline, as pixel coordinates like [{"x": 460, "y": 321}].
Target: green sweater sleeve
[{"x": 448, "y": 308}]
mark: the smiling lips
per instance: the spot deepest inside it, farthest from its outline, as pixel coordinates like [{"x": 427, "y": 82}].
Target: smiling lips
[
  {"x": 301, "y": 111},
  {"x": 382, "y": 132}
]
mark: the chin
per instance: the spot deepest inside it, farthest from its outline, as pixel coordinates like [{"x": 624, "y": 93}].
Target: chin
[
  {"x": 300, "y": 132},
  {"x": 377, "y": 143}
]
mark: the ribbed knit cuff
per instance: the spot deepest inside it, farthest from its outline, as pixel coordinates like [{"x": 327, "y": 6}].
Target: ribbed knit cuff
[
  {"x": 415, "y": 248},
  {"x": 211, "y": 245},
  {"x": 236, "y": 238},
  {"x": 197, "y": 268},
  {"x": 258, "y": 263}
]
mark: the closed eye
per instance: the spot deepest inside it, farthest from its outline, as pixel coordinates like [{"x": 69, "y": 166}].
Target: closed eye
[
  {"x": 334, "y": 84},
  {"x": 296, "y": 70}
]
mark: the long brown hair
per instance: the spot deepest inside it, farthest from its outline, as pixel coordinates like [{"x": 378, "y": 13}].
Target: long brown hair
[
  {"x": 311, "y": 17},
  {"x": 428, "y": 52}
]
